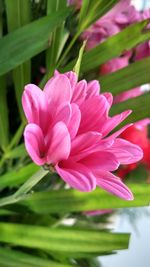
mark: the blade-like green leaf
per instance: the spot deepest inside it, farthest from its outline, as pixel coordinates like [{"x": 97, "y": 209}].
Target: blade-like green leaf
[
  {"x": 66, "y": 241},
  {"x": 71, "y": 200},
  {"x": 94, "y": 10},
  {"x": 3, "y": 99},
  {"x": 26, "y": 42},
  {"x": 113, "y": 47},
  {"x": 14, "y": 258},
  {"x": 19, "y": 176},
  {"x": 4, "y": 125},
  {"x": 17, "y": 152},
  {"x": 134, "y": 75},
  {"x": 18, "y": 15},
  {"x": 139, "y": 105}
]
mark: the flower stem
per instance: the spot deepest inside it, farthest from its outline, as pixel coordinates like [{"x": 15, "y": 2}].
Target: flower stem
[{"x": 24, "y": 189}]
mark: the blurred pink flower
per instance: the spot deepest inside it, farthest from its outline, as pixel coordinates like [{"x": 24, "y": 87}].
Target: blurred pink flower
[
  {"x": 137, "y": 134},
  {"x": 119, "y": 17},
  {"x": 114, "y": 64},
  {"x": 127, "y": 95},
  {"x": 68, "y": 127}
]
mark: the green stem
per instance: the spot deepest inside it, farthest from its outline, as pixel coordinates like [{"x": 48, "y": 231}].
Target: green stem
[{"x": 24, "y": 189}]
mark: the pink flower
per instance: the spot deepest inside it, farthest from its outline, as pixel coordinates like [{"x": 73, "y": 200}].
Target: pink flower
[
  {"x": 114, "y": 64},
  {"x": 127, "y": 95},
  {"x": 119, "y": 17},
  {"x": 68, "y": 127},
  {"x": 137, "y": 134}
]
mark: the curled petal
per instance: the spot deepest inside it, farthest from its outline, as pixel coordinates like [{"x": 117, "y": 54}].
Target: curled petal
[
  {"x": 59, "y": 143},
  {"x": 34, "y": 143},
  {"x": 74, "y": 121},
  {"x": 76, "y": 175},
  {"x": 93, "y": 88},
  {"x": 113, "y": 184},
  {"x": 72, "y": 76},
  {"x": 35, "y": 106},
  {"x": 126, "y": 152},
  {"x": 79, "y": 92},
  {"x": 58, "y": 91},
  {"x": 64, "y": 113}
]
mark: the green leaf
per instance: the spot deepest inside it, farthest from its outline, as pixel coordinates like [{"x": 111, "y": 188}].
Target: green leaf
[
  {"x": 18, "y": 14},
  {"x": 113, "y": 46},
  {"x": 92, "y": 11},
  {"x": 26, "y": 42},
  {"x": 79, "y": 60},
  {"x": 139, "y": 105},
  {"x": 17, "y": 152},
  {"x": 75, "y": 201},
  {"x": 4, "y": 124},
  {"x": 14, "y": 258},
  {"x": 134, "y": 75},
  {"x": 66, "y": 241},
  {"x": 18, "y": 176},
  {"x": 52, "y": 54}
]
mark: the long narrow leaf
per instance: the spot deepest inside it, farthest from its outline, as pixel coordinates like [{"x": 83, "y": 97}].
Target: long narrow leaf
[
  {"x": 71, "y": 200},
  {"x": 14, "y": 258},
  {"x": 139, "y": 105},
  {"x": 18, "y": 14},
  {"x": 62, "y": 240},
  {"x": 26, "y": 42},
  {"x": 134, "y": 75},
  {"x": 113, "y": 46}
]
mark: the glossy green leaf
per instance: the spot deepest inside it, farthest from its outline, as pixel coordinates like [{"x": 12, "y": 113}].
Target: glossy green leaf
[
  {"x": 72, "y": 200},
  {"x": 134, "y": 75},
  {"x": 15, "y": 258},
  {"x": 113, "y": 47},
  {"x": 26, "y": 42},
  {"x": 139, "y": 105},
  {"x": 66, "y": 241}
]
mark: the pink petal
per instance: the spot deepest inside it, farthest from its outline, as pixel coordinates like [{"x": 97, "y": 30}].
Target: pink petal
[
  {"x": 79, "y": 92},
  {"x": 101, "y": 160},
  {"x": 76, "y": 175},
  {"x": 113, "y": 184},
  {"x": 72, "y": 76},
  {"x": 114, "y": 121},
  {"x": 34, "y": 143},
  {"x": 58, "y": 91},
  {"x": 35, "y": 106},
  {"x": 74, "y": 122},
  {"x": 59, "y": 143},
  {"x": 64, "y": 113},
  {"x": 126, "y": 152},
  {"x": 109, "y": 98},
  {"x": 117, "y": 133},
  {"x": 92, "y": 110},
  {"x": 84, "y": 144},
  {"x": 93, "y": 88}
]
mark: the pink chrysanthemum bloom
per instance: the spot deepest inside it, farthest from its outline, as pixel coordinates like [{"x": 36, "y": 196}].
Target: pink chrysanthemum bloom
[{"x": 68, "y": 127}]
